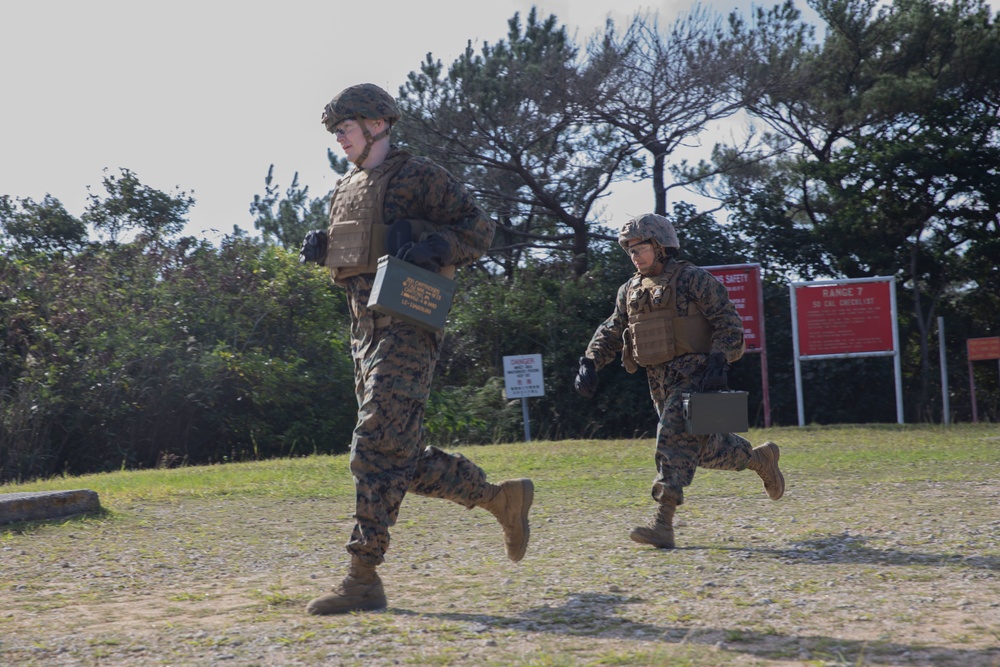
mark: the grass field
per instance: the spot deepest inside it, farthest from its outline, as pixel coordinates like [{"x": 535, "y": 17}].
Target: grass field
[{"x": 885, "y": 550}]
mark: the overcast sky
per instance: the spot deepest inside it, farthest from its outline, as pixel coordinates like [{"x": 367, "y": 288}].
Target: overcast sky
[{"x": 204, "y": 95}]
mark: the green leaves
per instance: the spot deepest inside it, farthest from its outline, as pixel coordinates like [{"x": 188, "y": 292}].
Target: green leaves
[
  {"x": 285, "y": 220},
  {"x": 131, "y": 206},
  {"x": 42, "y": 228},
  {"x": 509, "y": 121},
  {"x": 127, "y": 355}
]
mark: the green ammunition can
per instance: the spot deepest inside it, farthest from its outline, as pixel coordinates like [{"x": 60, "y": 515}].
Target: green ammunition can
[
  {"x": 411, "y": 293},
  {"x": 715, "y": 412}
]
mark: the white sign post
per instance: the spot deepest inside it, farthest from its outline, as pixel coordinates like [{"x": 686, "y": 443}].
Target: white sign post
[{"x": 522, "y": 379}]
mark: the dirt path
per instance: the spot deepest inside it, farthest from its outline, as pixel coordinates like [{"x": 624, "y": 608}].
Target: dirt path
[{"x": 884, "y": 574}]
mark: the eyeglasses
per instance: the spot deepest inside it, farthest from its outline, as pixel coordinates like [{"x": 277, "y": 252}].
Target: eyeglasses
[
  {"x": 341, "y": 130},
  {"x": 634, "y": 250}
]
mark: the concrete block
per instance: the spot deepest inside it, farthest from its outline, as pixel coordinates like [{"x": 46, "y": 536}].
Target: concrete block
[{"x": 42, "y": 505}]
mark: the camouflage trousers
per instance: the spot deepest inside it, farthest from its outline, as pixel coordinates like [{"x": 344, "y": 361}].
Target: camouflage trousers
[
  {"x": 393, "y": 366},
  {"x": 678, "y": 453}
]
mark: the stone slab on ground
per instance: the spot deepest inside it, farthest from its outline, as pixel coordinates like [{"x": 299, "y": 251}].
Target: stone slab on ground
[{"x": 42, "y": 505}]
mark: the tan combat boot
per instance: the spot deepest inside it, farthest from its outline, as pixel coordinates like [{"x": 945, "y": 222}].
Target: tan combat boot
[
  {"x": 361, "y": 590},
  {"x": 764, "y": 462},
  {"x": 509, "y": 501},
  {"x": 660, "y": 532}
]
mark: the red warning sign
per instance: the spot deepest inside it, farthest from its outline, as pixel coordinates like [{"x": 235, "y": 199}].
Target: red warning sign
[
  {"x": 981, "y": 349},
  {"x": 844, "y": 318},
  {"x": 743, "y": 284}
]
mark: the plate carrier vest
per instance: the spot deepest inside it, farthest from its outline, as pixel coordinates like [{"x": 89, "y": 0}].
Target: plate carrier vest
[
  {"x": 356, "y": 235},
  {"x": 655, "y": 333}
]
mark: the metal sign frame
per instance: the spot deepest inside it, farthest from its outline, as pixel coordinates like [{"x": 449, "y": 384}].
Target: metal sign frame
[{"x": 894, "y": 352}]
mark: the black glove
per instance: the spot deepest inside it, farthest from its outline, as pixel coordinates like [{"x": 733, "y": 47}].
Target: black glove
[
  {"x": 586, "y": 378},
  {"x": 397, "y": 235},
  {"x": 432, "y": 253},
  {"x": 716, "y": 378},
  {"x": 313, "y": 247}
]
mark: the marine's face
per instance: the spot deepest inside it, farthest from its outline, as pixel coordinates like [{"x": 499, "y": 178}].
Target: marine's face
[
  {"x": 351, "y": 137},
  {"x": 641, "y": 252}
]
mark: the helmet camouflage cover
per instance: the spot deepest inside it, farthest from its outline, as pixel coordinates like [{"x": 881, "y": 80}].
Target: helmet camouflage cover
[
  {"x": 649, "y": 226},
  {"x": 365, "y": 100}
]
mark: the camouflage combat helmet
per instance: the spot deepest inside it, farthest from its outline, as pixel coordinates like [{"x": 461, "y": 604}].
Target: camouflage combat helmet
[
  {"x": 365, "y": 100},
  {"x": 649, "y": 227}
]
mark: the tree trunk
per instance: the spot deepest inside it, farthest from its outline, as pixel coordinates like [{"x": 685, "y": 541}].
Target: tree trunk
[{"x": 659, "y": 187}]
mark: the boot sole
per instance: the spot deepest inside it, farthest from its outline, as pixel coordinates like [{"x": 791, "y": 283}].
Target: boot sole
[
  {"x": 374, "y": 605},
  {"x": 335, "y": 603},
  {"x": 636, "y": 537}
]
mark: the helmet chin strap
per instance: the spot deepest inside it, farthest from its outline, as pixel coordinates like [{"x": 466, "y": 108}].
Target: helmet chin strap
[{"x": 369, "y": 139}]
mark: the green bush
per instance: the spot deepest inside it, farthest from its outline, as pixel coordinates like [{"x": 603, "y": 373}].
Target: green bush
[{"x": 130, "y": 356}]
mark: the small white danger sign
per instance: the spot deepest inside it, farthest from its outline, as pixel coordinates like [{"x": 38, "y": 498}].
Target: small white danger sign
[{"x": 523, "y": 376}]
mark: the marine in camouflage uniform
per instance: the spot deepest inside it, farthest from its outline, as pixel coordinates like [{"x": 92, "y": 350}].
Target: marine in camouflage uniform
[
  {"x": 419, "y": 212},
  {"x": 676, "y": 320}
]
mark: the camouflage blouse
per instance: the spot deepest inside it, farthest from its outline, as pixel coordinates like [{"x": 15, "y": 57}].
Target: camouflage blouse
[
  {"x": 696, "y": 288},
  {"x": 423, "y": 190}
]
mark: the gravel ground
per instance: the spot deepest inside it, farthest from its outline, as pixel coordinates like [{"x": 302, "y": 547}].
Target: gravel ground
[{"x": 833, "y": 574}]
